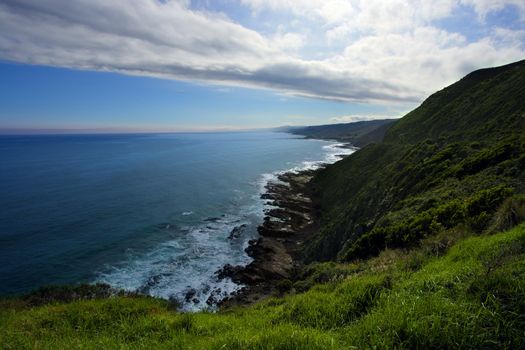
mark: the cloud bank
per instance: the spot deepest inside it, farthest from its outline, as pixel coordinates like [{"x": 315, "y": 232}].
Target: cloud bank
[{"x": 378, "y": 52}]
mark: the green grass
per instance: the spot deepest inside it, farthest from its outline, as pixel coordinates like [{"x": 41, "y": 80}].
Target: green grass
[{"x": 457, "y": 290}]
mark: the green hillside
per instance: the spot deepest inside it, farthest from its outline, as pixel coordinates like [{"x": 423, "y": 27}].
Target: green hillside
[
  {"x": 451, "y": 161},
  {"x": 358, "y": 134}
]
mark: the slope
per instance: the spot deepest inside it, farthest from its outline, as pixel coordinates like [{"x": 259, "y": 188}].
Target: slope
[
  {"x": 357, "y": 133},
  {"x": 451, "y": 161}
]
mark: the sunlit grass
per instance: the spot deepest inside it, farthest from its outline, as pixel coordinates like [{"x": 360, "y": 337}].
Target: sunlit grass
[{"x": 471, "y": 296}]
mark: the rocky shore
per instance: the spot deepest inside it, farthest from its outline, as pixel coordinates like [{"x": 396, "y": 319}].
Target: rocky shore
[{"x": 288, "y": 220}]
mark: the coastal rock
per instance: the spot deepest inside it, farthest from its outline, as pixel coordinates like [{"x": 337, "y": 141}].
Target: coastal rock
[
  {"x": 275, "y": 231},
  {"x": 272, "y": 259},
  {"x": 190, "y": 294},
  {"x": 237, "y": 231},
  {"x": 282, "y": 233},
  {"x": 271, "y": 262},
  {"x": 229, "y": 271},
  {"x": 214, "y": 297}
]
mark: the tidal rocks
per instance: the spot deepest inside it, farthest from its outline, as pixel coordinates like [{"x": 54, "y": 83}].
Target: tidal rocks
[
  {"x": 271, "y": 262},
  {"x": 215, "y": 297},
  {"x": 237, "y": 231},
  {"x": 283, "y": 230},
  {"x": 292, "y": 210},
  {"x": 229, "y": 271},
  {"x": 190, "y": 294}
]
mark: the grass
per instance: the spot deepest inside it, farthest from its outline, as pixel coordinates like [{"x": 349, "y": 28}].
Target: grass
[{"x": 457, "y": 290}]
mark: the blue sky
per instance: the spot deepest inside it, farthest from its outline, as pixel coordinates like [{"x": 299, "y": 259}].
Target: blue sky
[
  {"x": 42, "y": 97},
  {"x": 180, "y": 65}
]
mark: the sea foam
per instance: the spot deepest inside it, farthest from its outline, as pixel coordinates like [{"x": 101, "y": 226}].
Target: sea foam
[{"x": 184, "y": 268}]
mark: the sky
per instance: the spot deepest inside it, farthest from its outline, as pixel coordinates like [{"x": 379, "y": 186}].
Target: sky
[{"x": 198, "y": 65}]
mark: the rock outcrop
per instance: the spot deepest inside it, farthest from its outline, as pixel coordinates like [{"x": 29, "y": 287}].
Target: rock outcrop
[{"x": 287, "y": 221}]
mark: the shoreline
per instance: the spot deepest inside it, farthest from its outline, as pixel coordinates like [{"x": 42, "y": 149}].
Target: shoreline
[
  {"x": 291, "y": 218},
  {"x": 289, "y": 221}
]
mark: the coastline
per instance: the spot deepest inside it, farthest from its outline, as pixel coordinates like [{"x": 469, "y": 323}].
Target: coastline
[
  {"x": 165, "y": 269},
  {"x": 290, "y": 219}
]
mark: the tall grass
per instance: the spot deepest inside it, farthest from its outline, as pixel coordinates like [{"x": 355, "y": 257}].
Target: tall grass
[{"x": 470, "y": 294}]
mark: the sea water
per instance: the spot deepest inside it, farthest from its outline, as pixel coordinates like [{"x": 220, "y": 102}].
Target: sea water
[{"x": 151, "y": 213}]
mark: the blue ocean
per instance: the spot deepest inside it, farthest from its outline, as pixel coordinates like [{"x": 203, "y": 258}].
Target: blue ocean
[{"x": 146, "y": 212}]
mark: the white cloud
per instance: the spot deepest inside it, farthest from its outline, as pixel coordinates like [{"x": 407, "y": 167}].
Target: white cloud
[
  {"x": 288, "y": 41},
  {"x": 392, "y": 52},
  {"x": 510, "y": 37},
  {"x": 484, "y": 7},
  {"x": 423, "y": 57},
  {"x": 370, "y": 13}
]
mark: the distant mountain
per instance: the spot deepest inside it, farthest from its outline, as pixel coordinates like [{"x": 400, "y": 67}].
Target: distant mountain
[
  {"x": 451, "y": 161},
  {"x": 357, "y": 133}
]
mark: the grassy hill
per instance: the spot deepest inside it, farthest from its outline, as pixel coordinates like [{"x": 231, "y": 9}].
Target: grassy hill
[
  {"x": 451, "y": 161},
  {"x": 357, "y": 133},
  {"x": 423, "y": 236}
]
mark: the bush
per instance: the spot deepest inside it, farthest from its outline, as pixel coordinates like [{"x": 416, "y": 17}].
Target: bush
[{"x": 509, "y": 214}]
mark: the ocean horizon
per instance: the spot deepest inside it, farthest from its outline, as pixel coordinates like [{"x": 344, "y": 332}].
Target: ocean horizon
[{"x": 151, "y": 213}]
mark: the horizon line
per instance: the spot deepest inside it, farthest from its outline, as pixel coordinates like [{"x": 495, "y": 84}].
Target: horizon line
[
  {"x": 91, "y": 131},
  {"x": 121, "y": 130}
]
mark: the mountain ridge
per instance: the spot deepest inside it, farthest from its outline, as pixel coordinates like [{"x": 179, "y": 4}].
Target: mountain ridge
[{"x": 359, "y": 133}]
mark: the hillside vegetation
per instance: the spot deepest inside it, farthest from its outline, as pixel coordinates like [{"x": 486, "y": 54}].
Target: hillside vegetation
[
  {"x": 451, "y": 161},
  {"x": 358, "y": 134},
  {"x": 423, "y": 235}
]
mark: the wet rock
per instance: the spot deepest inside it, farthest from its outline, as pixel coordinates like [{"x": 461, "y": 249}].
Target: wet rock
[
  {"x": 237, "y": 231},
  {"x": 152, "y": 281},
  {"x": 271, "y": 262},
  {"x": 190, "y": 294},
  {"x": 214, "y": 297},
  {"x": 228, "y": 271}
]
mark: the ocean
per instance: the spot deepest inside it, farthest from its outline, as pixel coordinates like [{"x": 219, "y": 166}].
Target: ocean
[{"x": 145, "y": 212}]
